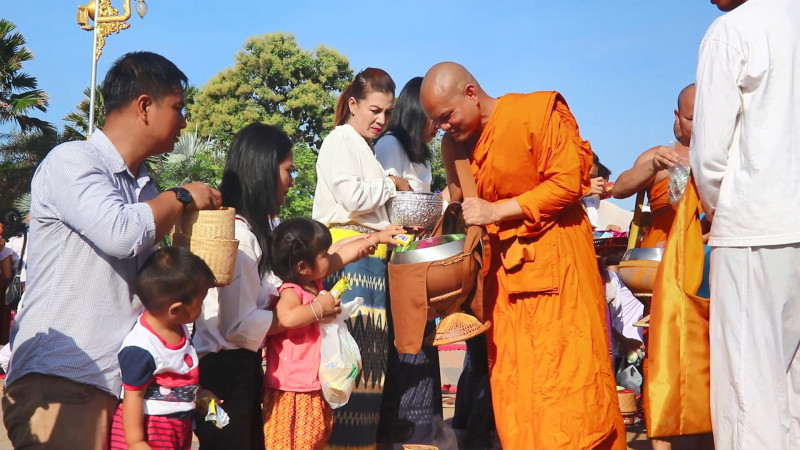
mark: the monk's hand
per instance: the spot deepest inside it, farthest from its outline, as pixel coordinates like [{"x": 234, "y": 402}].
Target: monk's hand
[
  {"x": 477, "y": 211},
  {"x": 597, "y": 187},
  {"x": 664, "y": 158}
]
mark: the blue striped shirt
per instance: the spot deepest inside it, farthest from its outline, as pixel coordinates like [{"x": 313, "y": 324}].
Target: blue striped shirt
[{"x": 89, "y": 232}]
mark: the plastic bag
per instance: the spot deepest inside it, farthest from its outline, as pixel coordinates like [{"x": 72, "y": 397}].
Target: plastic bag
[
  {"x": 678, "y": 179},
  {"x": 340, "y": 359},
  {"x": 630, "y": 378}
]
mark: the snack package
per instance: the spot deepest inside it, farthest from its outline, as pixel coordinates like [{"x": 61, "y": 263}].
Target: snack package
[
  {"x": 217, "y": 415},
  {"x": 404, "y": 240},
  {"x": 340, "y": 287}
]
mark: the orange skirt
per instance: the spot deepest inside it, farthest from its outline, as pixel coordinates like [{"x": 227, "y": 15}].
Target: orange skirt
[{"x": 295, "y": 420}]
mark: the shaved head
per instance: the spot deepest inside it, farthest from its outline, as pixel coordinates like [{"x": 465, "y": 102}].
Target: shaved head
[
  {"x": 453, "y": 99},
  {"x": 684, "y": 115},
  {"x": 686, "y": 97},
  {"x": 447, "y": 79}
]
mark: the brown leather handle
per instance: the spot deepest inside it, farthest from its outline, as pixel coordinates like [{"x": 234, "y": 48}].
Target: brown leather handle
[{"x": 468, "y": 188}]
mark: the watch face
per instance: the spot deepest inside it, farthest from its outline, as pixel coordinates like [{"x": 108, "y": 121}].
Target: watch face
[{"x": 183, "y": 195}]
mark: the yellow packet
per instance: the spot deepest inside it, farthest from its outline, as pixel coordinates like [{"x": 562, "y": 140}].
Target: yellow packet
[
  {"x": 217, "y": 415},
  {"x": 340, "y": 287},
  {"x": 404, "y": 240}
]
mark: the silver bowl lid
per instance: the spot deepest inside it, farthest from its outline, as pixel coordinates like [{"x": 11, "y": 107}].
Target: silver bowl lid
[
  {"x": 643, "y": 254},
  {"x": 430, "y": 249}
]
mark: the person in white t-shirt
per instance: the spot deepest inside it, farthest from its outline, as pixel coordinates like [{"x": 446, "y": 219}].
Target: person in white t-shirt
[
  {"x": 745, "y": 157},
  {"x": 404, "y": 148}
]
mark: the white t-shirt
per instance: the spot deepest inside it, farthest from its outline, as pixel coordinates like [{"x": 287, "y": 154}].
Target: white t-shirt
[
  {"x": 625, "y": 309},
  {"x": 15, "y": 243},
  {"x": 745, "y": 152},
  {"x": 393, "y": 157},
  {"x": 167, "y": 373}
]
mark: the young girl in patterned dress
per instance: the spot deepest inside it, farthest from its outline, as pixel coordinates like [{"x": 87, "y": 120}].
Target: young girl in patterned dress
[{"x": 295, "y": 412}]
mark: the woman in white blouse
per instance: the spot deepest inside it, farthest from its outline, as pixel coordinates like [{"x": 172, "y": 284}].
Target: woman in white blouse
[
  {"x": 412, "y": 395},
  {"x": 404, "y": 147},
  {"x": 236, "y": 318},
  {"x": 352, "y": 190}
]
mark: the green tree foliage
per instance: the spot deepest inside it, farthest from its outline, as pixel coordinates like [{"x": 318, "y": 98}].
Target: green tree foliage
[
  {"x": 439, "y": 181},
  {"x": 274, "y": 81},
  {"x": 19, "y": 94},
  {"x": 20, "y": 154},
  {"x": 193, "y": 159},
  {"x": 78, "y": 120},
  {"x": 300, "y": 198}
]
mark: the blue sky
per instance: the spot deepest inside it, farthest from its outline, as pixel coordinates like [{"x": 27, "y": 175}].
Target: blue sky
[{"x": 619, "y": 63}]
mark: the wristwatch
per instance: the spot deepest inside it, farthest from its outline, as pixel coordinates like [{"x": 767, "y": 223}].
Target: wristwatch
[{"x": 183, "y": 195}]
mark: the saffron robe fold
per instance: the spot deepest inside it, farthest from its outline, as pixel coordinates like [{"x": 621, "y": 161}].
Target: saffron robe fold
[
  {"x": 662, "y": 213},
  {"x": 677, "y": 386},
  {"x": 552, "y": 382}
]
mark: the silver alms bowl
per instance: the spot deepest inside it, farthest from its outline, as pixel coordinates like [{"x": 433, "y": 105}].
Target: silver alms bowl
[
  {"x": 415, "y": 209},
  {"x": 430, "y": 249},
  {"x": 643, "y": 254}
]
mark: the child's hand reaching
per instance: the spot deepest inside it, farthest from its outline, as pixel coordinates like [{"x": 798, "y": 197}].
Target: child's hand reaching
[
  {"x": 329, "y": 306},
  {"x": 387, "y": 235}
]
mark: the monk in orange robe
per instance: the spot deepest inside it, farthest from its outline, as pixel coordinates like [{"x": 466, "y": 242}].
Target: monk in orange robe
[
  {"x": 650, "y": 172},
  {"x": 551, "y": 378}
]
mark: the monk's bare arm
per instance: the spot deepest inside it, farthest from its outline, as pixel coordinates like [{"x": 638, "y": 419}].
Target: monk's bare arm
[
  {"x": 477, "y": 211},
  {"x": 644, "y": 171}
]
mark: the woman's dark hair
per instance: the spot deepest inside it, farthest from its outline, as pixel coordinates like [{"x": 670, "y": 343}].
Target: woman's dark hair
[
  {"x": 297, "y": 240},
  {"x": 409, "y": 122},
  {"x": 172, "y": 274},
  {"x": 367, "y": 81},
  {"x": 137, "y": 73},
  {"x": 13, "y": 225},
  {"x": 603, "y": 171},
  {"x": 251, "y": 177}
]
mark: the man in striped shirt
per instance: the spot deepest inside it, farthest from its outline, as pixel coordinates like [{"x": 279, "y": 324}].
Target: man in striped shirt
[{"x": 95, "y": 217}]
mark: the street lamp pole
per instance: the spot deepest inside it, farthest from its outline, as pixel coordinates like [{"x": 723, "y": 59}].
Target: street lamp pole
[
  {"x": 93, "y": 90},
  {"x": 107, "y": 20}
]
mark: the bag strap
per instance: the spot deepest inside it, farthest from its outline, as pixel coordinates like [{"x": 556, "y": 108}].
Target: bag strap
[
  {"x": 22, "y": 252},
  {"x": 467, "y": 182}
]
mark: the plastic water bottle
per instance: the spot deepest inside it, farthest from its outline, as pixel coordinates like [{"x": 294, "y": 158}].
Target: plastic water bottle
[{"x": 678, "y": 179}]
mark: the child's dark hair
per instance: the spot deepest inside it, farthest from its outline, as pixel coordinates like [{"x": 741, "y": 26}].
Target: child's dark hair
[
  {"x": 297, "y": 240},
  {"x": 172, "y": 274}
]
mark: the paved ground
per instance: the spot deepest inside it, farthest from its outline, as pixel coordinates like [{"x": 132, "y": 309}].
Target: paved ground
[{"x": 451, "y": 362}]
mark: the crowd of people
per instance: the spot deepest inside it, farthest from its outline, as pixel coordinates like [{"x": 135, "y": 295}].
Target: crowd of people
[{"x": 101, "y": 350}]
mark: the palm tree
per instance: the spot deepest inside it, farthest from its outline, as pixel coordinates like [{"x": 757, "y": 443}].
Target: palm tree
[
  {"x": 18, "y": 90},
  {"x": 193, "y": 159},
  {"x": 78, "y": 120}
]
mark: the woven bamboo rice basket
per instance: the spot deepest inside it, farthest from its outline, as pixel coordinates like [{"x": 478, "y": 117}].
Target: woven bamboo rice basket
[
  {"x": 627, "y": 406},
  {"x": 219, "y": 254},
  {"x": 457, "y": 327},
  {"x": 210, "y": 235},
  {"x": 207, "y": 224}
]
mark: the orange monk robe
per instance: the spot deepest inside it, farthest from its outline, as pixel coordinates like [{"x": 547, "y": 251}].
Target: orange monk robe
[
  {"x": 552, "y": 383},
  {"x": 662, "y": 214},
  {"x": 677, "y": 387}
]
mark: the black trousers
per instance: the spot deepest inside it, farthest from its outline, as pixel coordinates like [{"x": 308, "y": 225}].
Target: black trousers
[{"x": 234, "y": 376}]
